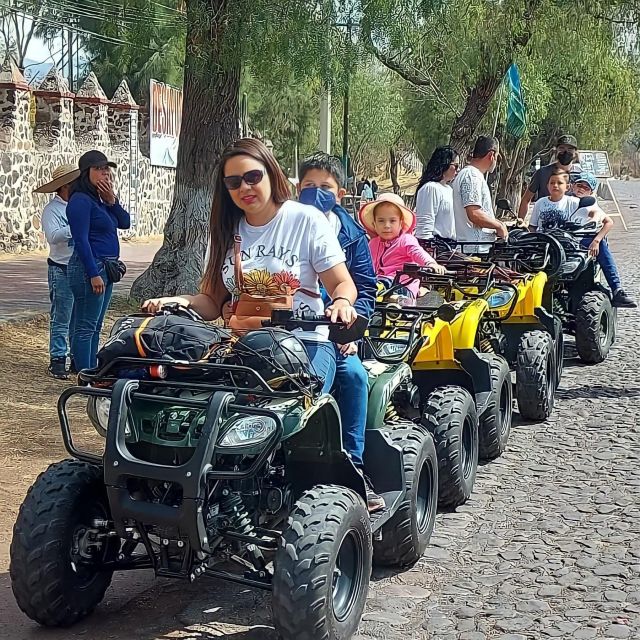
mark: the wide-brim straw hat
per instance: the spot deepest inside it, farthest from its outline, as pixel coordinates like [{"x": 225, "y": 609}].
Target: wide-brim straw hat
[
  {"x": 64, "y": 174},
  {"x": 367, "y": 211}
]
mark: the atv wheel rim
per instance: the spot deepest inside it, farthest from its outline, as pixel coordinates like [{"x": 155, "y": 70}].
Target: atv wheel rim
[
  {"x": 347, "y": 575},
  {"x": 505, "y": 408},
  {"x": 467, "y": 447},
  {"x": 604, "y": 330},
  {"x": 424, "y": 499},
  {"x": 81, "y": 569}
]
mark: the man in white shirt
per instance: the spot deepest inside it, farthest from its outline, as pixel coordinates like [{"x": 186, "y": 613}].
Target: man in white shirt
[
  {"x": 472, "y": 206},
  {"x": 58, "y": 235}
]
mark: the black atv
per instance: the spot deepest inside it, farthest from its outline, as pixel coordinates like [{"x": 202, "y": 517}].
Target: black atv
[{"x": 233, "y": 468}]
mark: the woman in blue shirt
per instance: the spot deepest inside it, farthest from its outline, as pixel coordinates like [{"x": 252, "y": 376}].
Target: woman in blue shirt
[{"x": 94, "y": 216}]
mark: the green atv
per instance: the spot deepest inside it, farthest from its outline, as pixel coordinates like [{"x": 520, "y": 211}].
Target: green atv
[{"x": 233, "y": 468}]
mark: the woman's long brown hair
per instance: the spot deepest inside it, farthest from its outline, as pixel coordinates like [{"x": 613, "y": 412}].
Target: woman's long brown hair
[{"x": 225, "y": 215}]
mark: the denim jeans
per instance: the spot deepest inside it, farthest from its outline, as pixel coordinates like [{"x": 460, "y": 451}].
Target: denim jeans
[
  {"x": 61, "y": 311},
  {"x": 607, "y": 263},
  {"x": 352, "y": 391},
  {"x": 90, "y": 310},
  {"x": 323, "y": 361}
]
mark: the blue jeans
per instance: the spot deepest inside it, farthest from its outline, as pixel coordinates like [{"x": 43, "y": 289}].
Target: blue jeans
[
  {"x": 352, "y": 391},
  {"x": 607, "y": 263},
  {"x": 323, "y": 361},
  {"x": 90, "y": 310},
  {"x": 351, "y": 378},
  {"x": 61, "y": 311}
]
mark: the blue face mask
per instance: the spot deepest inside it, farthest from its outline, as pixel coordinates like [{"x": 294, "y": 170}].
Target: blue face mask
[{"x": 318, "y": 198}]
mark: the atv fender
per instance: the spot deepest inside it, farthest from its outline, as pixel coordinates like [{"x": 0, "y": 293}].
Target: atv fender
[
  {"x": 479, "y": 370},
  {"x": 314, "y": 454},
  {"x": 384, "y": 379}
]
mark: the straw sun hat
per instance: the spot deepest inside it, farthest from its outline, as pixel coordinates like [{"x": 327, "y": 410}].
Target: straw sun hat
[
  {"x": 64, "y": 174},
  {"x": 367, "y": 211}
]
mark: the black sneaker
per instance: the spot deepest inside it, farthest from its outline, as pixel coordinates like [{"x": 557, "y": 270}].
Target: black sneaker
[
  {"x": 58, "y": 368},
  {"x": 72, "y": 368},
  {"x": 622, "y": 300}
]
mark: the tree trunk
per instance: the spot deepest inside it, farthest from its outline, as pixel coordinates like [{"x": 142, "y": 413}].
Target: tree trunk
[
  {"x": 210, "y": 117},
  {"x": 478, "y": 101},
  {"x": 393, "y": 170}
]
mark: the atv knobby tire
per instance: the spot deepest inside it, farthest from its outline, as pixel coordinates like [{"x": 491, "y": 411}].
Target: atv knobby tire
[
  {"x": 450, "y": 416},
  {"x": 406, "y": 535},
  {"x": 328, "y": 537},
  {"x": 536, "y": 373},
  {"x": 49, "y": 586},
  {"x": 495, "y": 422},
  {"x": 595, "y": 327}
]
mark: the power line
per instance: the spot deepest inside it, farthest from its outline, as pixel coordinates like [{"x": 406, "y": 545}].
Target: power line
[{"x": 76, "y": 29}]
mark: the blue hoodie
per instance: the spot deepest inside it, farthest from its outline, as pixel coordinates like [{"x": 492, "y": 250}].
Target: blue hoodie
[{"x": 354, "y": 243}]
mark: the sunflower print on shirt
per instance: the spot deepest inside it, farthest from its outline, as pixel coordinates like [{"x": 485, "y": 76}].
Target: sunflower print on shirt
[{"x": 261, "y": 282}]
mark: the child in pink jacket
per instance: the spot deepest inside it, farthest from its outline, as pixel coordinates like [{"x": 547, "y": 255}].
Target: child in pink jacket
[{"x": 390, "y": 225}]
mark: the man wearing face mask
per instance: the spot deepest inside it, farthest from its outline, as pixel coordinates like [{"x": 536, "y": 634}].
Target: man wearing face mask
[
  {"x": 566, "y": 154},
  {"x": 322, "y": 186},
  {"x": 472, "y": 206}
]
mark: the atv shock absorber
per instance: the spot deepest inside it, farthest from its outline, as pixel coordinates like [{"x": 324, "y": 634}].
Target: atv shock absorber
[
  {"x": 486, "y": 346},
  {"x": 232, "y": 509}
]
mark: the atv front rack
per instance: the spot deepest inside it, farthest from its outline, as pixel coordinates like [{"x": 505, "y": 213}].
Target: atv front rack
[
  {"x": 214, "y": 372},
  {"x": 120, "y": 464},
  {"x": 471, "y": 279}
]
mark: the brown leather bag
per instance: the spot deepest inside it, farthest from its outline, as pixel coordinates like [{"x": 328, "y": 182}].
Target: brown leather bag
[{"x": 249, "y": 311}]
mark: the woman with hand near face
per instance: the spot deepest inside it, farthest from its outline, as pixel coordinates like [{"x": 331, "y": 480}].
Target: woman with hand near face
[{"x": 94, "y": 215}]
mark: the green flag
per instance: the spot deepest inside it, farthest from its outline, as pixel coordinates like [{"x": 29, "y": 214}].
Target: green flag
[{"x": 516, "y": 111}]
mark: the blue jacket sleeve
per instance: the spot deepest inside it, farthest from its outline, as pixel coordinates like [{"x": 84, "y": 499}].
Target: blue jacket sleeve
[
  {"x": 360, "y": 267},
  {"x": 79, "y": 217},
  {"x": 121, "y": 214}
]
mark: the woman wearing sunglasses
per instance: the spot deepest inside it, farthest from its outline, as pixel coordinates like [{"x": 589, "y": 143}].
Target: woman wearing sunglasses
[
  {"x": 284, "y": 246},
  {"x": 434, "y": 197}
]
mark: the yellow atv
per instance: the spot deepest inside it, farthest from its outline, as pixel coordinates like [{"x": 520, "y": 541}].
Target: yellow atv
[
  {"x": 512, "y": 323},
  {"x": 463, "y": 397}
]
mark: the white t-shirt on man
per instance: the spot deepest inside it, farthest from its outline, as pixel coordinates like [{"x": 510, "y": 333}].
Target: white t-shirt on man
[
  {"x": 289, "y": 251},
  {"x": 548, "y": 214},
  {"x": 471, "y": 189},
  {"x": 434, "y": 211}
]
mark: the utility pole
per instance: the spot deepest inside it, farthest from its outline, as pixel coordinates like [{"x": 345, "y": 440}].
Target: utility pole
[
  {"x": 345, "y": 112},
  {"x": 70, "y": 51},
  {"x": 325, "y": 121}
]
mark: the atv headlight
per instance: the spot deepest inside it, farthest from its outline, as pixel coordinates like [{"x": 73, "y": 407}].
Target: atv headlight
[
  {"x": 98, "y": 411},
  {"x": 500, "y": 298},
  {"x": 389, "y": 349},
  {"x": 248, "y": 430}
]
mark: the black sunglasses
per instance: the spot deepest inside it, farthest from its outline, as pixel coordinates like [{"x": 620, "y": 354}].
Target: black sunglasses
[{"x": 250, "y": 178}]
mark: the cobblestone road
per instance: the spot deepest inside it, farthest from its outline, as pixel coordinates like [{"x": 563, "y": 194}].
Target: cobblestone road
[{"x": 548, "y": 546}]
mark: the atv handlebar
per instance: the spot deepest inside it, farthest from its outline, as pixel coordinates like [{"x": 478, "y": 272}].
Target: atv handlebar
[{"x": 338, "y": 331}]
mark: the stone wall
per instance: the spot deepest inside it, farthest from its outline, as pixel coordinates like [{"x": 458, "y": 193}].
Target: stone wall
[{"x": 44, "y": 127}]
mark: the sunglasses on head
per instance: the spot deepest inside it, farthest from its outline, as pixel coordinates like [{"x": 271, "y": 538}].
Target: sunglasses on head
[{"x": 250, "y": 178}]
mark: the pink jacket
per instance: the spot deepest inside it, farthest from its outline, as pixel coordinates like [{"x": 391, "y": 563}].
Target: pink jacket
[{"x": 390, "y": 257}]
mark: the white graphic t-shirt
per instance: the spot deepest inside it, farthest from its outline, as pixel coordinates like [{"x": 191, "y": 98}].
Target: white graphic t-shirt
[
  {"x": 470, "y": 188},
  {"x": 287, "y": 254},
  {"x": 548, "y": 214}
]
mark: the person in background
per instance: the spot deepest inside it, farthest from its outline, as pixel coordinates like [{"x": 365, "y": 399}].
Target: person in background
[
  {"x": 566, "y": 155},
  {"x": 321, "y": 180},
  {"x": 58, "y": 235},
  {"x": 374, "y": 189},
  {"x": 434, "y": 197},
  {"x": 390, "y": 224},
  {"x": 94, "y": 215},
  {"x": 585, "y": 185},
  {"x": 472, "y": 205},
  {"x": 367, "y": 192}
]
